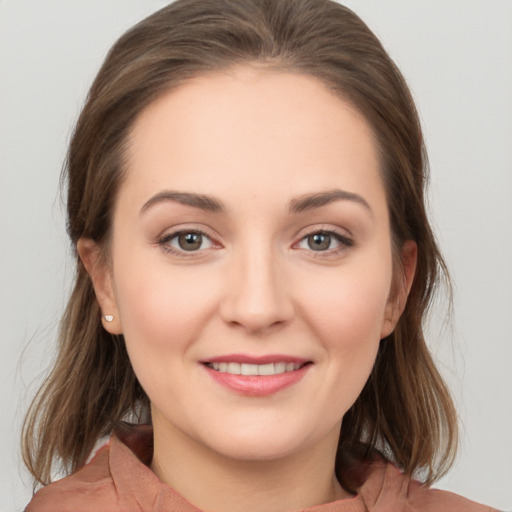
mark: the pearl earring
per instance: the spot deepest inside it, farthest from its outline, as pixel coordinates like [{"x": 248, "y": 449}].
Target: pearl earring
[{"x": 108, "y": 318}]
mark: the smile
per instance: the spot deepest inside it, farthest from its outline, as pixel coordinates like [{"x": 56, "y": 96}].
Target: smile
[
  {"x": 254, "y": 369},
  {"x": 256, "y": 376}
]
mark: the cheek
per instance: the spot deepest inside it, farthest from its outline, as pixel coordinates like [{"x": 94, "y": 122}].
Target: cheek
[
  {"x": 163, "y": 309},
  {"x": 346, "y": 311},
  {"x": 348, "y": 305}
]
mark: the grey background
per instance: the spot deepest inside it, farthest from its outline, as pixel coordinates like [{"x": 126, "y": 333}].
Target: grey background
[{"x": 457, "y": 57}]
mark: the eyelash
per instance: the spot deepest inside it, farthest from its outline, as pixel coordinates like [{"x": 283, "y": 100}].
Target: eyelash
[
  {"x": 344, "y": 241},
  {"x": 163, "y": 242}
]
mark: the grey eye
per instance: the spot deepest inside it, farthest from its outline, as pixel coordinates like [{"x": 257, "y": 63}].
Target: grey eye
[
  {"x": 319, "y": 241},
  {"x": 325, "y": 241},
  {"x": 181, "y": 242}
]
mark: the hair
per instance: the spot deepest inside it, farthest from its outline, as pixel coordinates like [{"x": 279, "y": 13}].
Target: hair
[{"x": 405, "y": 410}]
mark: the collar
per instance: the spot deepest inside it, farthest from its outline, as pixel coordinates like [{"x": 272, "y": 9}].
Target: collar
[{"x": 140, "y": 489}]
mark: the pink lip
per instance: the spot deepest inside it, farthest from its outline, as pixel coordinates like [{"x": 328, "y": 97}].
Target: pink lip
[{"x": 257, "y": 385}]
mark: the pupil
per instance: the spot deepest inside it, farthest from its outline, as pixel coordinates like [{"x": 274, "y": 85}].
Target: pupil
[
  {"x": 319, "y": 241},
  {"x": 190, "y": 241}
]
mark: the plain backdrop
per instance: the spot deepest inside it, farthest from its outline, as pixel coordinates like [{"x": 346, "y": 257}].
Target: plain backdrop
[{"x": 457, "y": 58}]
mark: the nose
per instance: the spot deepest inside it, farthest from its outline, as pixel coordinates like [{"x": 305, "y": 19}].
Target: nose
[{"x": 257, "y": 298}]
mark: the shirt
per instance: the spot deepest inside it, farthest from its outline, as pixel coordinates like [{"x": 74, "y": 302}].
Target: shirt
[{"x": 118, "y": 479}]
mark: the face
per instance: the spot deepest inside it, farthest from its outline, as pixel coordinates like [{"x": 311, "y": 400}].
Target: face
[{"x": 251, "y": 261}]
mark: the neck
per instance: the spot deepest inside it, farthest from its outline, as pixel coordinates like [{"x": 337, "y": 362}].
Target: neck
[{"x": 216, "y": 483}]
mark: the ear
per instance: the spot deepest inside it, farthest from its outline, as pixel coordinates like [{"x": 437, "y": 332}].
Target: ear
[
  {"x": 101, "y": 277},
  {"x": 401, "y": 288}
]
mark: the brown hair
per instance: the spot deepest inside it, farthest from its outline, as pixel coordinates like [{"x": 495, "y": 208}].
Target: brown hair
[{"x": 405, "y": 409}]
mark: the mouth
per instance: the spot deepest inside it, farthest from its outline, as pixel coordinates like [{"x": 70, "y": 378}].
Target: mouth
[
  {"x": 256, "y": 376},
  {"x": 234, "y": 368}
]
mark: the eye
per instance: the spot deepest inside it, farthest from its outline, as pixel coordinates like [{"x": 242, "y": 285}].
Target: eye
[
  {"x": 319, "y": 241},
  {"x": 324, "y": 241},
  {"x": 186, "y": 241}
]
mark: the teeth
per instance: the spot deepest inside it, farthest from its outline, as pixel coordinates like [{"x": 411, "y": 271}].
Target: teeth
[
  {"x": 266, "y": 369},
  {"x": 233, "y": 368},
  {"x": 249, "y": 369},
  {"x": 254, "y": 369},
  {"x": 279, "y": 367}
]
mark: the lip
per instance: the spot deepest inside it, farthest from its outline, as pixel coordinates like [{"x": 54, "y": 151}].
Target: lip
[{"x": 257, "y": 385}]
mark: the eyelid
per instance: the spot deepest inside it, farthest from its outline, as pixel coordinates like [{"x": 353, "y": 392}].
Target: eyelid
[
  {"x": 164, "y": 239},
  {"x": 343, "y": 238}
]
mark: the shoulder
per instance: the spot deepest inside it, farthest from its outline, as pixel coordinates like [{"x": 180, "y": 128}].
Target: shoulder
[
  {"x": 89, "y": 489},
  {"x": 431, "y": 500},
  {"x": 388, "y": 489},
  {"x": 117, "y": 478}
]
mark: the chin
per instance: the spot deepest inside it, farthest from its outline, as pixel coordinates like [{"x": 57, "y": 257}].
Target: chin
[
  {"x": 261, "y": 443},
  {"x": 257, "y": 450}
]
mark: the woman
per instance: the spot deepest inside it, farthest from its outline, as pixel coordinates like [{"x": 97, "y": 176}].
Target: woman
[{"x": 245, "y": 195}]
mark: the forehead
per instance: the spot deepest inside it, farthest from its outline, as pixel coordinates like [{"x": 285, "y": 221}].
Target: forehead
[{"x": 254, "y": 129}]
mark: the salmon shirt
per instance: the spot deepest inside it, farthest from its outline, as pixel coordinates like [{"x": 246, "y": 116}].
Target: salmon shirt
[{"x": 118, "y": 480}]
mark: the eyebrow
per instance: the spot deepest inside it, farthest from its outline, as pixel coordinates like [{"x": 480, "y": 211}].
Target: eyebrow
[
  {"x": 316, "y": 200},
  {"x": 200, "y": 201},
  {"x": 298, "y": 205}
]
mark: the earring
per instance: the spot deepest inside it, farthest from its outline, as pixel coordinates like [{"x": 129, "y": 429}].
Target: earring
[{"x": 108, "y": 318}]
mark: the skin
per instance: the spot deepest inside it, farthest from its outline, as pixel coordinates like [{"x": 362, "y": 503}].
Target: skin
[{"x": 257, "y": 141}]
